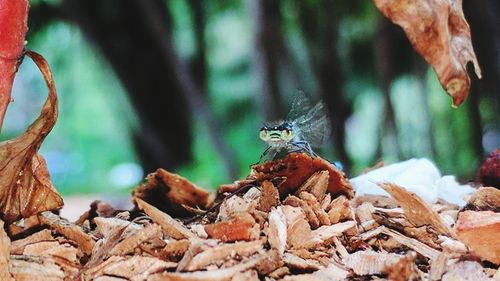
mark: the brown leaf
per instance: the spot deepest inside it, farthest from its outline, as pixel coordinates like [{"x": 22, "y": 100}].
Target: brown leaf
[
  {"x": 439, "y": 32},
  {"x": 25, "y": 185}
]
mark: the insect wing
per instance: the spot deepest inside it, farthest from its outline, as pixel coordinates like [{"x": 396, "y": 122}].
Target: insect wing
[
  {"x": 314, "y": 127},
  {"x": 301, "y": 106}
]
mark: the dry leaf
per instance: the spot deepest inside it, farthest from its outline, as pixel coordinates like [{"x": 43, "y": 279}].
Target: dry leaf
[
  {"x": 439, "y": 32},
  {"x": 25, "y": 185}
]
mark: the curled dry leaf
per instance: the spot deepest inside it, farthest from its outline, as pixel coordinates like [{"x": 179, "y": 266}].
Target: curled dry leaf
[
  {"x": 25, "y": 185},
  {"x": 439, "y": 32}
]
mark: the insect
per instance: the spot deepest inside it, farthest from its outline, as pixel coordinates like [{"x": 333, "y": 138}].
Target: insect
[{"x": 305, "y": 127}]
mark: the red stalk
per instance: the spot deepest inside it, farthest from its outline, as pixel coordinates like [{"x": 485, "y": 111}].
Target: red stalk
[{"x": 13, "y": 27}]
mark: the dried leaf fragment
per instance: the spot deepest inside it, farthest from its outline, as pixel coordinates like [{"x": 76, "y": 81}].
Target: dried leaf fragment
[
  {"x": 25, "y": 185},
  {"x": 439, "y": 32}
]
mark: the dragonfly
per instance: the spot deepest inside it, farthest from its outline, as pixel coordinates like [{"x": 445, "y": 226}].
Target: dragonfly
[{"x": 306, "y": 127}]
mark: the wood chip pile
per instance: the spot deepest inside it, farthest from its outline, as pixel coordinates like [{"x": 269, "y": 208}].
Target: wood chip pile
[{"x": 291, "y": 219}]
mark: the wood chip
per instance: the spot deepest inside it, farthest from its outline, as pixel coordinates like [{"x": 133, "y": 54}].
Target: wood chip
[
  {"x": 330, "y": 273},
  {"x": 105, "y": 226},
  {"x": 4, "y": 254},
  {"x": 405, "y": 269},
  {"x": 300, "y": 235},
  {"x": 23, "y": 225},
  {"x": 249, "y": 275},
  {"x": 29, "y": 268},
  {"x": 53, "y": 249},
  {"x": 137, "y": 267},
  {"x": 225, "y": 251},
  {"x": 174, "y": 250},
  {"x": 466, "y": 270},
  {"x": 339, "y": 210},
  {"x": 269, "y": 197},
  {"x": 240, "y": 227},
  {"x": 370, "y": 262},
  {"x": 317, "y": 184},
  {"x": 170, "y": 226},
  {"x": 293, "y": 261},
  {"x": 17, "y": 246},
  {"x": 313, "y": 202},
  {"x": 212, "y": 275},
  {"x": 480, "y": 232},
  {"x": 311, "y": 217},
  {"x": 69, "y": 230},
  {"x": 416, "y": 210},
  {"x": 170, "y": 191},
  {"x": 485, "y": 199},
  {"x": 277, "y": 231},
  {"x": 234, "y": 205},
  {"x": 129, "y": 244},
  {"x": 439, "y": 266}
]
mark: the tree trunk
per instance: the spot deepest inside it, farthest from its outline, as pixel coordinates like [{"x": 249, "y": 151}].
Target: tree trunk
[
  {"x": 266, "y": 26},
  {"x": 126, "y": 39},
  {"x": 384, "y": 64},
  {"x": 321, "y": 40}
]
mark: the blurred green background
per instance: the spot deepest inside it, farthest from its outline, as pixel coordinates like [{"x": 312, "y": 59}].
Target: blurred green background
[{"x": 186, "y": 85}]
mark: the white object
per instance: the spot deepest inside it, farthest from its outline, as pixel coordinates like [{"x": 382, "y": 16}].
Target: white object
[{"x": 420, "y": 176}]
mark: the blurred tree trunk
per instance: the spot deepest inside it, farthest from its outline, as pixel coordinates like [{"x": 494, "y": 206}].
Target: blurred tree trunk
[
  {"x": 321, "y": 39},
  {"x": 126, "y": 39},
  {"x": 484, "y": 19},
  {"x": 198, "y": 63},
  {"x": 420, "y": 68},
  {"x": 135, "y": 37},
  {"x": 384, "y": 64},
  {"x": 267, "y": 35}
]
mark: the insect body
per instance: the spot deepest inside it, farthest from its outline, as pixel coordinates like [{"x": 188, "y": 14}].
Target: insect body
[{"x": 306, "y": 127}]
